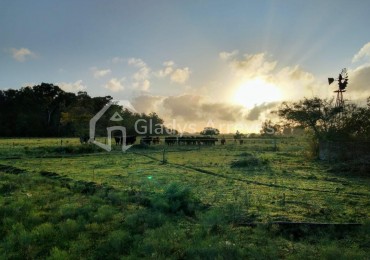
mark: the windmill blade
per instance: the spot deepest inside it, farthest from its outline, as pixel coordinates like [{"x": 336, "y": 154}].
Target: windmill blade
[{"x": 330, "y": 80}]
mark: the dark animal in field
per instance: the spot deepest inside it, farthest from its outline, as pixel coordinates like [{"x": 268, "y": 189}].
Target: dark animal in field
[
  {"x": 190, "y": 140},
  {"x": 187, "y": 140},
  {"x": 238, "y": 136},
  {"x": 156, "y": 140},
  {"x": 118, "y": 140},
  {"x": 84, "y": 139},
  {"x": 130, "y": 139},
  {"x": 206, "y": 140},
  {"x": 170, "y": 140},
  {"x": 241, "y": 141},
  {"x": 146, "y": 140},
  {"x": 223, "y": 141}
]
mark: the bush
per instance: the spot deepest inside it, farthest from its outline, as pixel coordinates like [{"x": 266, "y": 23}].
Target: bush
[
  {"x": 7, "y": 187},
  {"x": 70, "y": 149},
  {"x": 57, "y": 254},
  {"x": 104, "y": 213},
  {"x": 144, "y": 219},
  {"x": 177, "y": 200},
  {"x": 118, "y": 242},
  {"x": 249, "y": 160},
  {"x": 164, "y": 242}
]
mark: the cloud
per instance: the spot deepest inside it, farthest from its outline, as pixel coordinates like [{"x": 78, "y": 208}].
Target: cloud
[
  {"x": 167, "y": 70},
  {"x": 223, "y": 111},
  {"x": 227, "y": 55},
  {"x": 252, "y": 65},
  {"x": 142, "y": 75},
  {"x": 169, "y": 63},
  {"x": 139, "y": 63},
  {"x": 100, "y": 73},
  {"x": 197, "y": 108},
  {"x": 295, "y": 74},
  {"x": 295, "y": 83},
  {"x": 147, "y": 103},
  {"x": 185, "y": 106},
  {"x": 180, "y": 75},
  {"x": 114, "y": 85},
  {"x": 292, "y": 82},
  {"x": 22, "y": 54},
  {"x": 363, "y": 52},
  {"x": 117, "y": 60},
  {"x": 143, "y": 85},
  {"x": 177, "y": 75},
  {"x": 72, "y": 87},
  {"x": 358, "y": 84},
  {"x": 256, "y": 111}
]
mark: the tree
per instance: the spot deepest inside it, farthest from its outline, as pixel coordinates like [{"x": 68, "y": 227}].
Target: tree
[
  {"x": 210, "y": 131},
  {"x": 270, "y": 128},
  {"x": 47, "y": 110},
  {"x": 327, "y": 121}
]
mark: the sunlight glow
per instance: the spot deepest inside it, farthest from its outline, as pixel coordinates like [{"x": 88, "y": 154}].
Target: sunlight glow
[{"x": 255, "y": 92}]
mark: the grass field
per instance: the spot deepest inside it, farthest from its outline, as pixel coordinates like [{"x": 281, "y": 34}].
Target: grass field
[{"x": 64, "y": 200}]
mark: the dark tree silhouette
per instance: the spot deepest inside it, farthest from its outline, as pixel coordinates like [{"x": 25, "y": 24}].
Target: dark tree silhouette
[
  {"x": 210, "y": 131},
  {"x": 47, "y": 110}
]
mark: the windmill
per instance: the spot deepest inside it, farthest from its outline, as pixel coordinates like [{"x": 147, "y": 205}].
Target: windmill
[{"x": 342, "y": 84}]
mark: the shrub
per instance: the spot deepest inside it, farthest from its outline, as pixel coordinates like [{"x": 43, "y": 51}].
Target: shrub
[
  {"x": 164, "y": 242},
  {"x": 104, "y": 213},
  {"x": 69, "y": 228},
  {"x": 213, "y": 220},
  {"x": 177, "y": 200},
  {"x": 249, "y": 160},
  {"x": 7, "y": 187},
  {"x": 118, "y": 242},
  {"x": 57, "y": 254},
  {"x": 144, "y": 219}
]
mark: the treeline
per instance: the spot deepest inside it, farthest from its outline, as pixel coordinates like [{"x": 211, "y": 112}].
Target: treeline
[
  {"x": 46, "y": 110},
  {"x": 327, "y": 121}
]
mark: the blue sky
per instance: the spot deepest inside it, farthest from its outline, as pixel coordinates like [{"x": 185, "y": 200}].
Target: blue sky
[{"x": 161, "y": 49}]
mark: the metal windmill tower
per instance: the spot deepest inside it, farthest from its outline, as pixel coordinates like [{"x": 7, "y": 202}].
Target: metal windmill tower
[{"x": 342, "y": 84}]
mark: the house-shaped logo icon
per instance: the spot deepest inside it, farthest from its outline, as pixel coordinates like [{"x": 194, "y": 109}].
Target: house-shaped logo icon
[{"x": 116, "y": 117}]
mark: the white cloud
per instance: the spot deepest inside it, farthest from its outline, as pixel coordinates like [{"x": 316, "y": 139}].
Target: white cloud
[
  {"x": 142, "y": 85},
  {"x": 100, "y": 73},
  {"x": 169, "y": 63},
  {"x": 227, "y": 55},
  {"x": 142, "y": 74},
  {"x": 148, "y": 103},
  {"x": 72, "y": 87},
  {"x": 180, "y": 75},
  {"x": 115, "y": 85},
  {"x": 358, "y": 85},
  {"x": 167, "y": 70},
  {"x": 177, "y": 75},
  {"x": 363, "y": 52},
  {"x": 117, "y": 60},
  {"x": 253, "y": 65},
  {"x": 136, "y": 62},
  {"x": 21, "y": 54},
  {"x": 292, "y": 82}
]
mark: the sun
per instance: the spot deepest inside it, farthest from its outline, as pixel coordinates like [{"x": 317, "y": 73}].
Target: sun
[{"x": 255, "y": 92}]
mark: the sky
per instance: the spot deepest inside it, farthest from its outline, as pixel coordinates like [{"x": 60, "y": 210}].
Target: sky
[{"x": 226, "y": 64}]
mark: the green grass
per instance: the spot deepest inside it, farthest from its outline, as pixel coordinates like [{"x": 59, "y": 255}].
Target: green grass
[{"x": 87, "y": 203}]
